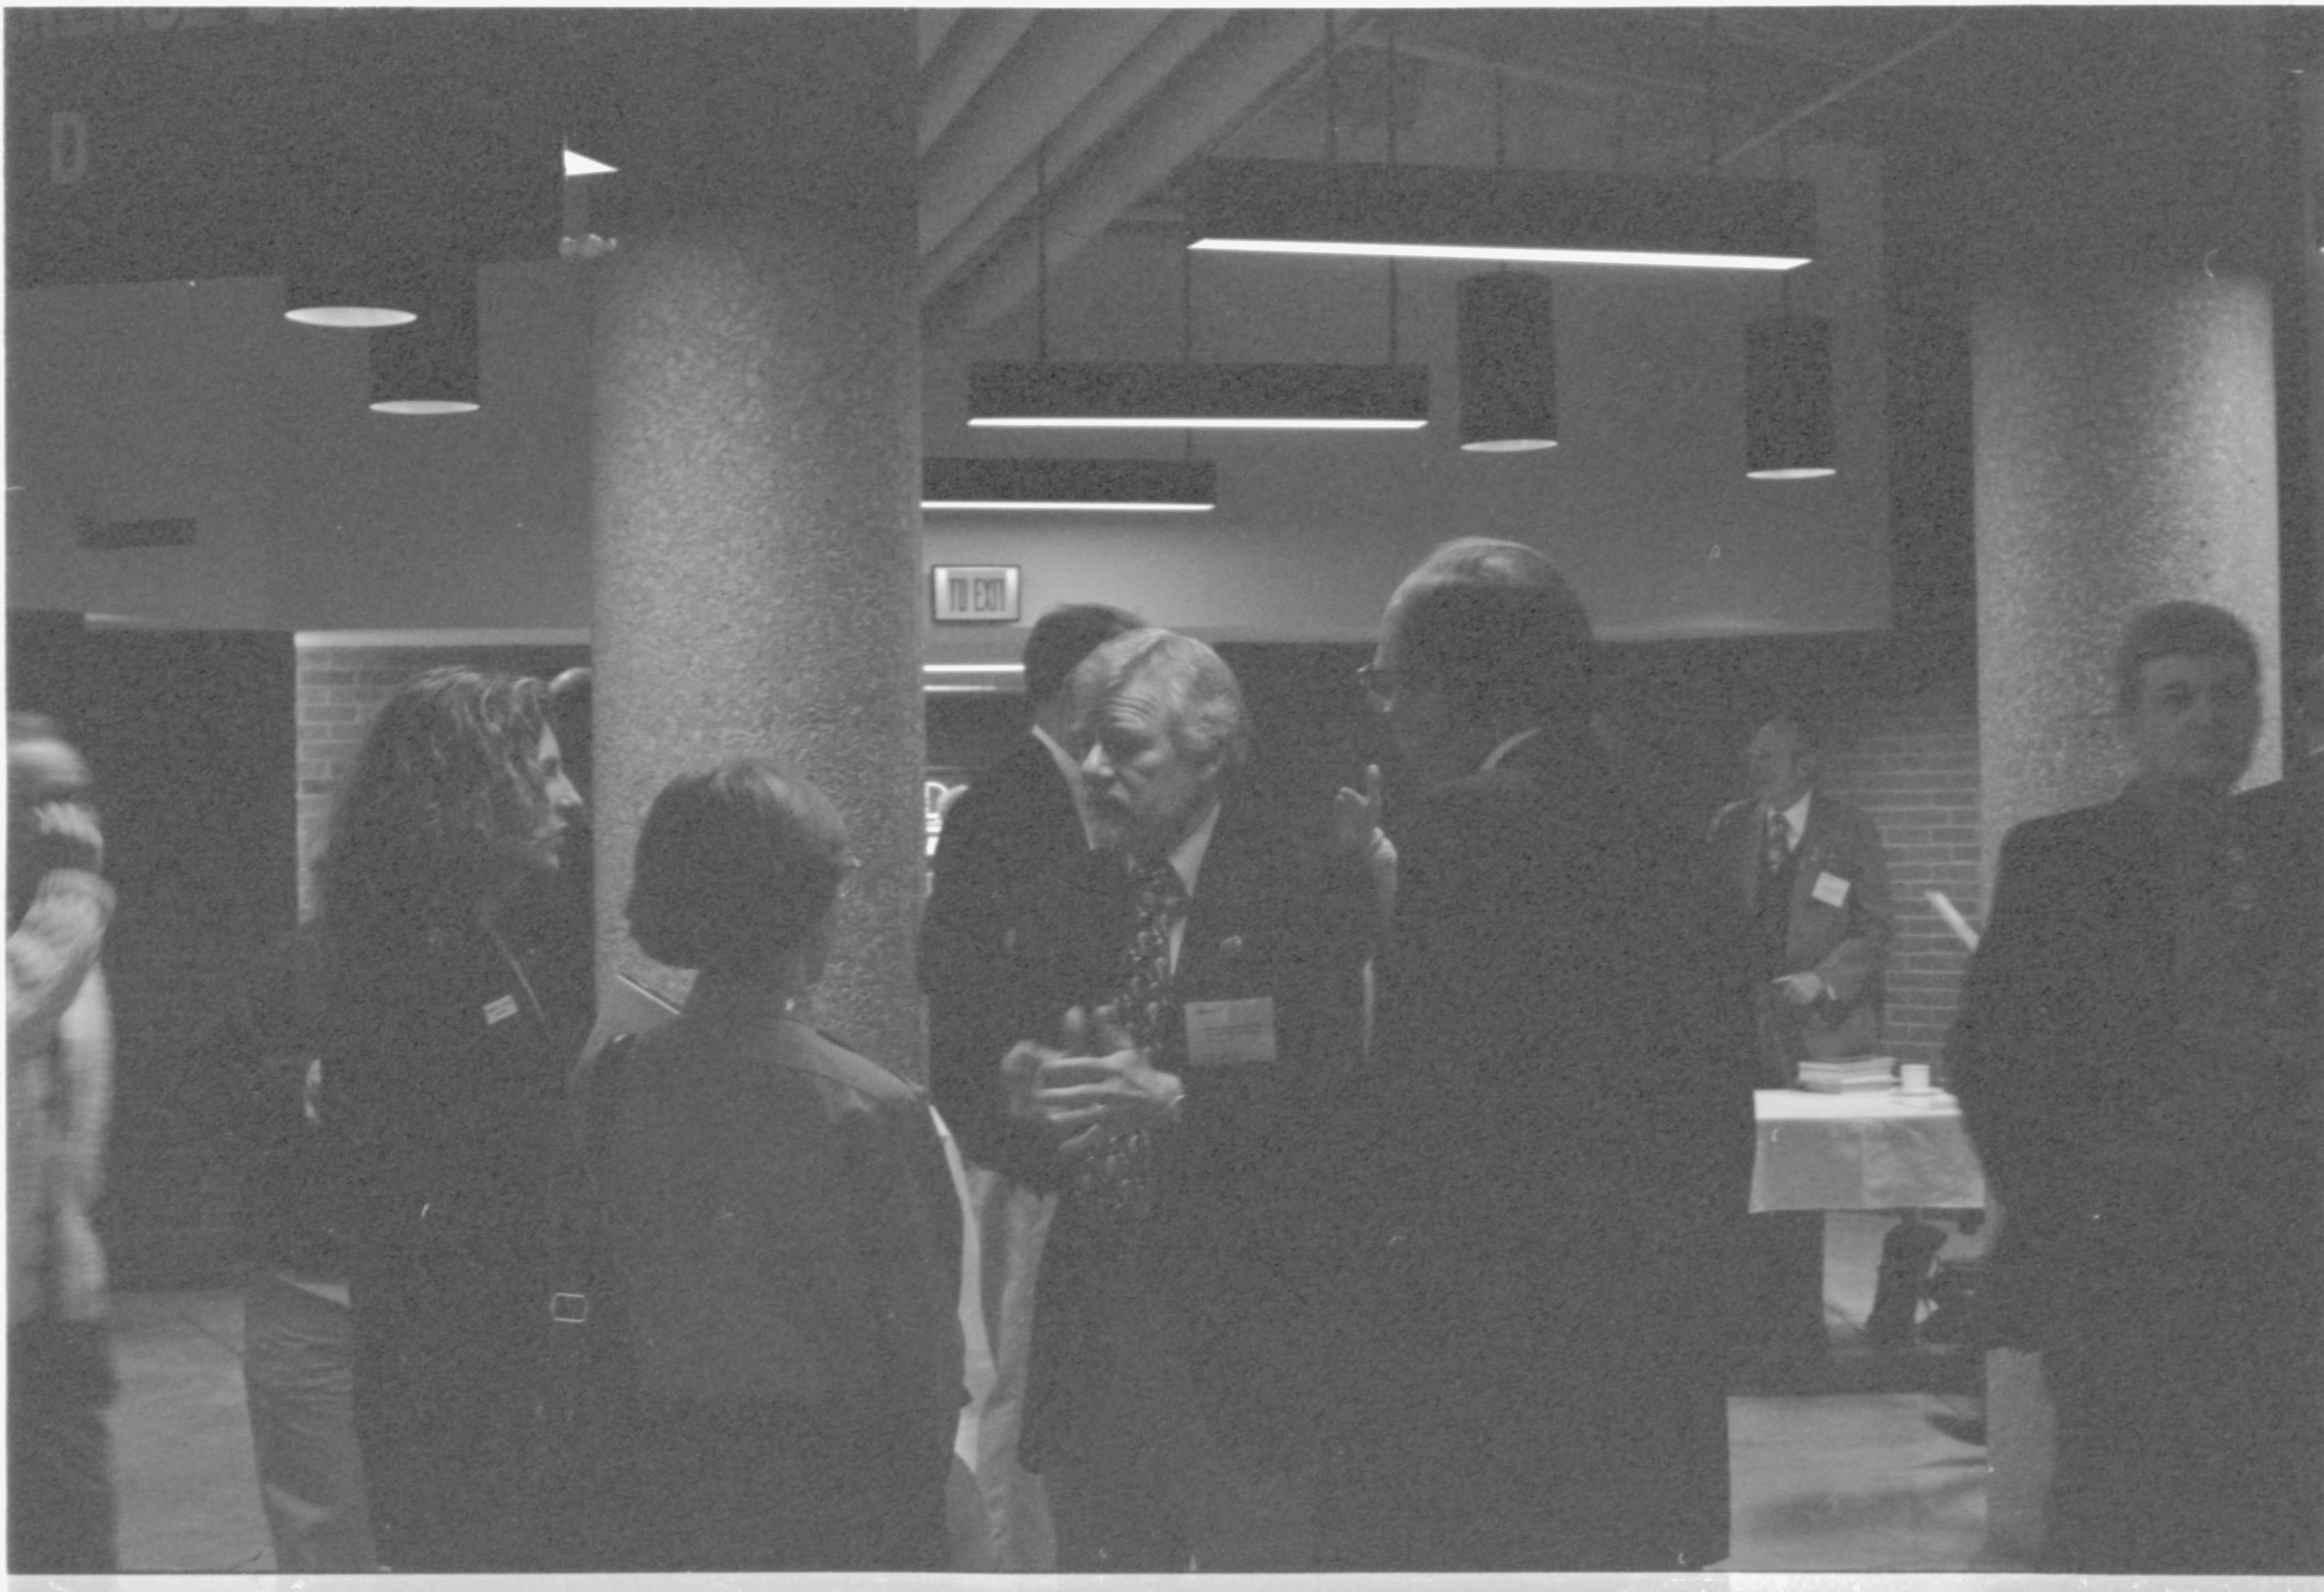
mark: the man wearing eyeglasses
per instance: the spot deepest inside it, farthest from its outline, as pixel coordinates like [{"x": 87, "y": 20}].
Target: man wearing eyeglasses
[{"x": 1550, "y": 1122}]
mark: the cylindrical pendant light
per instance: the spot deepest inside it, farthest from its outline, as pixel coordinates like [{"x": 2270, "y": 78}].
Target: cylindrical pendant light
[
  {"x": 351, "y": 283},
  {"x": 1509, "y": 362},
  {"x": 430, "y": 367},
  {"x": 1787, "y": 398}
]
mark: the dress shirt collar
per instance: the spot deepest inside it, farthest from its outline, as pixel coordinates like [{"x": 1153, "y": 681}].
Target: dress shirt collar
[
  {"x": 1508, "y": 746},
  {"x": 1795, "y": 819},
  {"x": 1072, "y": 774},
  {"x": 1187, "y": 860}
]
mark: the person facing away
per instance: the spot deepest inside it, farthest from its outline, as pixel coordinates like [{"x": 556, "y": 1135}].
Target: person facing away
[
  {"x": 60, "y": 1497},
  {"x": 1192, "y": 988},
  {"x": 1019, "y": 820},
  {"x": 1527, "y": 1367},
  {"x": 780, "y": 1217},
  {"x": 443, "y": 1094},
  {"x": 2136, "y": 1055}
]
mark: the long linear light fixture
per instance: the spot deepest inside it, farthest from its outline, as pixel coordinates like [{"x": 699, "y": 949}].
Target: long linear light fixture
[
  {"x": 1184, "y": 395},
  {"x": 1496, "y": 213},
  {"x": 1155, "y": 486}
]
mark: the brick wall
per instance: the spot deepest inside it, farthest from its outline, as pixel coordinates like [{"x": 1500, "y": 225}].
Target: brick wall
[{"x": 1912, "y": 766}]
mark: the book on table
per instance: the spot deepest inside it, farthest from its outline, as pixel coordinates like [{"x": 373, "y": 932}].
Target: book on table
[{"x": 1851, "y": 1075}]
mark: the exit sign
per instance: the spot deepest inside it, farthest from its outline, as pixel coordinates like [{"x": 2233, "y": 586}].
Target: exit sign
[{"x": 975, "y": 593}]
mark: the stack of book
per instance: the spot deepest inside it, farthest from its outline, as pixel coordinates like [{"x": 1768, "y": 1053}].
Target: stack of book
[{"x": 1851, "y": 1076}]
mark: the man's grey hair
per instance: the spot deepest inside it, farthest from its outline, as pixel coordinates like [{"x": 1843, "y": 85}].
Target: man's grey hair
[{"x": 1197, "y": 691}]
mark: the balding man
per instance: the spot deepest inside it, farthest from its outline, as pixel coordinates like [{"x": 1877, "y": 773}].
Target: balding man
[{"x": 1546, "y": 1137}]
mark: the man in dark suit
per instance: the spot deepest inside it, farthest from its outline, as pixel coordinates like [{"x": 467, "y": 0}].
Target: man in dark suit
[
  {"x": 1809, "y": 869},
  {"x": 2137, "y": 1055},
  {"x": 1809, "y": 874},
  {"x": 1017, "y": 821},
  {"x": 1554, "y": 1122},
  {"x": 1192, "y": 988}
]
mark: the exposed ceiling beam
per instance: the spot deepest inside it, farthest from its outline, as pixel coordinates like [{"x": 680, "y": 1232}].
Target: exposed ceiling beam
[
  {"x": 1868, "y": 75},
  {"x": 1060, "y": 61},
  {"x": 1242, "y": 61},
  {"x": 967, "y": 54},
  {"x": 1098, "y": 114}
]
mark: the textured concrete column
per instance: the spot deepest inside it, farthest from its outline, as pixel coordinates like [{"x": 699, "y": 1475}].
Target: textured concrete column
[
  {"x": 757, "y": 458},
  {"x": 2124, "y": 426},
  {"x": 2123, "y": 371}
]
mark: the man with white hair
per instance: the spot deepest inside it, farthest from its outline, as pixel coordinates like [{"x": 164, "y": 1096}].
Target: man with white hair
[{"x": 1193, "y": 993}]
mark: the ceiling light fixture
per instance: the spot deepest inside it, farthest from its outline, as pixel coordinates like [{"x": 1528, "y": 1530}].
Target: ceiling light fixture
[
  {"x": 353, "y": 289},
  {"x": 1163, "y": 486},
  {"x": 1473, "y": 213},
  {"x": 1183, "y": 395},
  {"x": 1787, "y": 388},
  {"x": 430, "y": 367},
  {"x": 1174, "y": 396},
  {"x": 1506, "y": 346},
  {"x": 1787, "y": 398},
  {"x": 1509, "y": 362}
]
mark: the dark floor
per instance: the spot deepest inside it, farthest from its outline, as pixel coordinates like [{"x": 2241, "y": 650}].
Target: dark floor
[{"x": 1848, "y": 1477}]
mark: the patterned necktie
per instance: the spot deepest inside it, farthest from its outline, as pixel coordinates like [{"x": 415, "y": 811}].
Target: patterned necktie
[
  {"x": 1116, "y": 1181},
  {"x": 1775, "y": 850}
]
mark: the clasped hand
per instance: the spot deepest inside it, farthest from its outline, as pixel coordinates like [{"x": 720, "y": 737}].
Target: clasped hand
[{"x": 1097, "y": 1086}]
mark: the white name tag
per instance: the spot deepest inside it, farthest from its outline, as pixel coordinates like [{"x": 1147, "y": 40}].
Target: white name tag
[
  {"x": 499, "y": 1011},
  {"x": 1830, "y": 889},
  {"x": 1229, "y": 1033}
]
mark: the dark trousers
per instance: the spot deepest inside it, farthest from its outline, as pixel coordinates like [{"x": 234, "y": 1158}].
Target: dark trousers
[
  {"x": 2188, "y": 1435},
  {"x": 755, "y": 1484},
  {"x": 445, "y": 1369},
  {"x": 60, "y": 1460},
  {"x": 1778, "y": 1289}
]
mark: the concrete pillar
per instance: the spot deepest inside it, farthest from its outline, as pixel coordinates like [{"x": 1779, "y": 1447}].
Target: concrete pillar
[
  {"x": 2124, "y": 379},
  {"x": 757, "y": 451},
  {"x": 2124, "y": 426}
]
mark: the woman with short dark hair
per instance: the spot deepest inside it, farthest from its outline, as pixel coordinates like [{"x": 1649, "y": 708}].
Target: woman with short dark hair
[
  {"x": 444, "y": 1096},
  {"x": 780, "y": 1217}
]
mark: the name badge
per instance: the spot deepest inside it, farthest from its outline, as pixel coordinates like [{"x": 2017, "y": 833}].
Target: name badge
[
  {"x": 1229, "y": 1033},
  {"x": 1830, "y": 889},
  {"x": 499, "y": 1011}
]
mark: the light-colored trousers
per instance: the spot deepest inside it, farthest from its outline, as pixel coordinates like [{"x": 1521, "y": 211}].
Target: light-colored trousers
[
  {"x": 298, "y": 1376},
  {"x": 1008, "y": 1525}
]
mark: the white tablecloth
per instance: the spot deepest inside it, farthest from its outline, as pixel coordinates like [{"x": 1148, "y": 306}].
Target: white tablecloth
[{"x": 1863, "y": 1152}]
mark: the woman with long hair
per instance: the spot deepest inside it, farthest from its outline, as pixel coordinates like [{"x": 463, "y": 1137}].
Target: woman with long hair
[{"x": 443, "y": 1090}]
